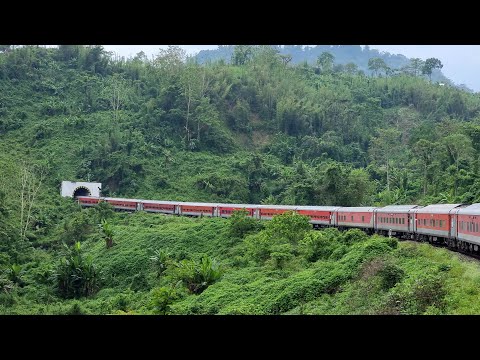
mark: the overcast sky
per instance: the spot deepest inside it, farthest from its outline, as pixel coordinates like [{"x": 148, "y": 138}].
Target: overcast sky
[{"x": 461, "y": 63}]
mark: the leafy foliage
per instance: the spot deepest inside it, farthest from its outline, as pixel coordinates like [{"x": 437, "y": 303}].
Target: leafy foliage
[{"x": 76, "y": 275}]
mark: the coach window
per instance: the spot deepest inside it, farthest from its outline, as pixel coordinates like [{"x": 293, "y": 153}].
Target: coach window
[
  {"x": 352, "y": 217},
  {"x": 476, "y": 227},
  {"x": 363, "y": 218}
]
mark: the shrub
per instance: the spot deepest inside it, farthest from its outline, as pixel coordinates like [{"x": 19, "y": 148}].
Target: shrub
[
  {"x": 353, "y": 236},
  {"x": 258, "y": 246},
  {"x": 76, "y": 275},
  {"x": 390, "y": 275},
  {"x": 103, "y": 211},
  {"x": 198, "y": 275},
  {"x": 139, "y": 282},
  {"x": 288, "y": 226},
  {"x": 280, "y": 255},
  {"x": 421, "y": 293},
  {"x": 315, "y": 245},
  {"x": 163, "y": 297},
  {"x": 241, "y": 224},
  {"x": 76, "y": 228},
  {"x": 160, "y": 260}
]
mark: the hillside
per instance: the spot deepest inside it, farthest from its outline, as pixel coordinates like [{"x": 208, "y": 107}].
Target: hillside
[
  {"x": 263, "y": 130},
  {"x": 344, "y": 54}
]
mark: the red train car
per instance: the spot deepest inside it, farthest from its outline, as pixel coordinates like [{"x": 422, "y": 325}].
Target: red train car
[
  {"x": 124, "y": 204},
  {"x": 197, "y": 209},
  {"x": 434, "y": 222},
  {"x": 226, "y": 210},
  {"x": 361, "y": 217},
  {"x": 267, "y": 212},
  {"x": 165, "y": 207},
  {"x": 394, "y": 219},
  {"x": 319, "y": 215},
  {"x": 88, "y": 200},
  {"x": 468, "y": 226}
]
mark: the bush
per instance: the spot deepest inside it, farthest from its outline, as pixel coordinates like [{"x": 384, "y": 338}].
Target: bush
[
  {"x": 316, "y": 245},
  {"x": 353, "y": 236},
  {"x": 258, "y": 247},
  {"x": 76, "y": 227},
  {"x": 420, "y": 294},
  {"x": 163, "y": 297},
  {"x": 390, "y": 275},
  {"x": 288, "y": 227},
  {"x": 139, "y": 282},
  {"x": 198, "y": 275},
  {"x": 160, "y": 261},
  {"x": 280, "y": 255},
  {"x": 241, "y": 224},
  {"x": 76, "y": 275}
]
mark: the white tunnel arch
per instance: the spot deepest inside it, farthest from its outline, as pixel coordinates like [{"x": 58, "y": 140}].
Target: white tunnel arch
[{"x": 78, "y": 188}]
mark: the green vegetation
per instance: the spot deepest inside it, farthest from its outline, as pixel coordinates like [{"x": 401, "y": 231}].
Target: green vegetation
[
  {"x": 261, "y": 129},
  {"x": 199, "y": 268}
]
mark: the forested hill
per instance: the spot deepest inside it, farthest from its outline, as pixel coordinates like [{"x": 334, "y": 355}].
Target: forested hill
[
  {"x": 343, "y": 55},
  {"x": 265, "y": 130},
  {"x": 260, "y": 130}
]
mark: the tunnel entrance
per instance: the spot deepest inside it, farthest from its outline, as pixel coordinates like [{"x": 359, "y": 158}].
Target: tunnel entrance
[{"x": 81, "y": 191}]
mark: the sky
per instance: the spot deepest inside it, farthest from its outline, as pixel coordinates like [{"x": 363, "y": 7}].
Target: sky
[{"x": 461, "y": 63}]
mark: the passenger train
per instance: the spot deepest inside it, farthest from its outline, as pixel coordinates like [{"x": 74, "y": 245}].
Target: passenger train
[{"x": 453, "y": 225}]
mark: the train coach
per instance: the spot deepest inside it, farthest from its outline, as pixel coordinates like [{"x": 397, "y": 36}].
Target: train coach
[
  {"x": 436, "y": 223},
  {"x": 396, "y": 220},
  {"x": 467, "y": 235},
  {"x": 358, "y": 217},
  {"x": 454, "y": 225}
]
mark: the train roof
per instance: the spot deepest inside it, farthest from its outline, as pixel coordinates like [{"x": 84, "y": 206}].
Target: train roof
[
  {"x": 198, "y": 204},
  {"x": 473, "y": 209},
  {"x": 318, "y": 208},
  {"x": 238, "y": 205},
  {"x": 437, "y": 209},
  {"x": 160, "y": 202},
  {"x": 357, "y": 209},
  {"x": 119, "y": 199},
  {"x": 402, "y": 209},
  {"x": 289, "y": 207}
]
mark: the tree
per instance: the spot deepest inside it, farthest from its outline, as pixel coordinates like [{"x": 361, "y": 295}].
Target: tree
[
  {"x": 351, "y": 68},
  {"x": 424, "y": 150},
  {"x": 242, "y": 54},
  {"x": 384, "y": 147},
  {"x": 31, "y": 181},
  {"x": 459, "y": 148},
  {"x": 376, "y": 65},
  {"x": 416, "y": 65},
  {"x": 430, "y": 64},
  {"x": 107, "y": 233},
  {"x": 117, "y": 92},
  {"x": 76, "y": 275},
  {"x": 325, "y": 61}
]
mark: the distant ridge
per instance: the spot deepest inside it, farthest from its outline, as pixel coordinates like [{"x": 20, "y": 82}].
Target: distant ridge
[{"x": 343, "y": 54}]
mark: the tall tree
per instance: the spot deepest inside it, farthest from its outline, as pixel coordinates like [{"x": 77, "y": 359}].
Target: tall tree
[
  {"x": 376, "y": 65},
  {"x": 383, "y": 149},
  {"x": 325, "y": 61},
  {"x": 416, "y": 65},
  {"x": 459, "y": 148},
  {"x": 430, "y": 64},
  {"x": 425, "y": 151},
  {"x": 242, "y": 54}
]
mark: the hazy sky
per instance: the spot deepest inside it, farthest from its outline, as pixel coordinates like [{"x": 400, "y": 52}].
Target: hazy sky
[{"x": 461, "y": 63}]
